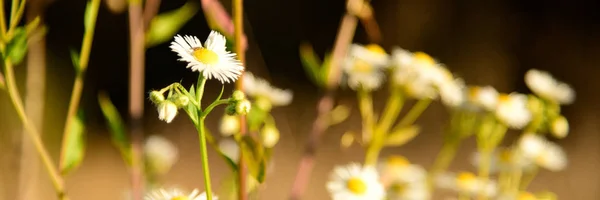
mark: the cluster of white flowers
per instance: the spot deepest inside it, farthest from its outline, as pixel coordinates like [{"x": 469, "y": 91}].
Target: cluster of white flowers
[
  {"x": 404, "y": 180},
  {"x": 355, "y": 182},
  {"x": 543, "y": 152},
  {"x": 467, "y": 183}
]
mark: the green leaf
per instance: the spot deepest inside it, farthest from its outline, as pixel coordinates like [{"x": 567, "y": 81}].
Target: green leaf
[
  {"x": 91, "y": 13},
  {"x": 75, "y": 59},
  {"x": 403, "y": 135},
  {"x": 255, "y": 118},
  {"x": 164, "y": 26},
  {"x": 339, "y": 114},
  {"x": 32, "y": 25},
  {"x": 325, "y": 70},
  {"x": 311, "y": 63},
  {"x": 254, "y": 157},
  {"x": 17, "y": 47},
  {"x": 117, "y": 128},
  {"x": 74, "y": 146},
  {"x": 191, "y": 109}
]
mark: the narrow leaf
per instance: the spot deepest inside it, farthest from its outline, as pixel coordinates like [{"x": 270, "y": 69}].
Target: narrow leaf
[
  {"x": 17, "y": 47},
  {"x": 117, "y": 128},
  {"x": 75, "y": 59},
  {"x": 29, "y": 28},
  {"x": 165, "y": 25},
  {"x": 401, "y": 136},
  {"x": 310, "y": 62},
  {"x": 74, "y": 147},
  {"x": 339, "y": 114}
]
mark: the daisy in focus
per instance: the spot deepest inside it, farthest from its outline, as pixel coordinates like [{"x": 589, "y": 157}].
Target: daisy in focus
[
  {"x": 364, "y": 66},
  {"x": 545, "y": 86},
  {"x": 543, "y": 152},
  {"x": 175, "y": 194},
  {"x": 354, "y": 182},
  {"x": 403, "y": 180},
  {"x": 264, "y": 93},
  {"x": 467, "y": 183},
  {"x": 212, "y": 59},
  {"x": 512, "y": 110}
]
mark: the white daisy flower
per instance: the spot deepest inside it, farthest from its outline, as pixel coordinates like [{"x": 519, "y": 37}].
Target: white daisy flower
[
  {"x": 261, "y": 89},
  {"x": 505, "y": 160},
  {"x": 452, "y": 93},
  {"x": 175, "y": 194},
  {"x": 353, "y": 182},
  {"x": 545, "y": 86},
  {"x": 522, "y": 195},
  {"x": 212, "y": 60},
  {"x": 167, "y": 111},
  {"x": 559, "y": 127},
  {"x": 363, "y": 66},
  {"x": 512, "y": 110},
  {"x": 420, "y": 74},
  {"x": 467, "y": 183},
  {"x": 405, "y": 181},
  {"x": 485, "y": 97},
  {"x": 543, "y": 152},
  {"x": 160, "y": 154}
]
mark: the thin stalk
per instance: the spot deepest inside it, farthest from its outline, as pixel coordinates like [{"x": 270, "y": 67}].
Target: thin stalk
[
  {"x": 444, "y": 158},
  {"x": 484, "y": 169},
  {"x": 16, "y": 15},
  {"x": 238, "y": 23},
  {"x": 32, "y": 132},
  {"x": 392, "y": 110},
  {"x": 136, "y": 95},
  {"x": 2, "y": 22},
  {"x": 414, "y": 112},
  {"x": 365, "y": 104},
  {"x": 86, "y": 48},
  {"x": 2, "y": 82},
  {"x": 204, "y": 155},
  {"x": 528, "y": 178}
]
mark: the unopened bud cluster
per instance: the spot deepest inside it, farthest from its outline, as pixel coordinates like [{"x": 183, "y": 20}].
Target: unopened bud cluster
[
  {"x": 168, "y": 107},
  {"x": 238, "y": 104}
]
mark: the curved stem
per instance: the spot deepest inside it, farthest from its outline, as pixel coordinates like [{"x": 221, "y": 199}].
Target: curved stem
[
  {"x": 204, "y": 155},
  {"x": 213, "y": 105},
  {"x": 391, "y": 111},
  {"x": 32, "y": 132},
  {"x": 366, "y": 112},
  {"x": 484, "y": 169},
  {"x": 414, "y": 112}
]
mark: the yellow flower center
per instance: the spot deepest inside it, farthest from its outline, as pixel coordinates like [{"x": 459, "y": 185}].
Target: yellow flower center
[
  {"x": 180, "y": 198},
  {"x": 356, "y": 185},
  {"x": 423, "y": 59},
  {"x": 465, "y": 180},
  {"x": 362, "y": 66},
  {"x": 206, "y": 56},
  {"x": 527, "y": 196},
  {"x": 398, "y": 161},
  {"x": 374, "y": 48},
  {"x": 504, "y": 98},
  {"x": 474, "y": 92}
]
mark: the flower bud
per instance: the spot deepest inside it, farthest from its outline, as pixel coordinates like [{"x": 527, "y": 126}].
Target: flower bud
[
  {"x": 243, "y": 107},
  {"x": 263, "y": 104},
  {"x": 238, "y": 95},
  {"x": 181, "y": 100},
  {"x": 229, "y": 125},
  {"x": 231, "y": 109},
  {"x": 269, "y": 136},
  {"x": 167, "y": 111},
  {"x": 156, "y": 97},
  {"x": 560, "y": 127}
]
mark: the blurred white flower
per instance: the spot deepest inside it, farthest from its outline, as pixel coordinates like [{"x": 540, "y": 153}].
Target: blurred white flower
[
  {"x": 167, "y": 111},
  {"x": 512, "y": 110},
  {"x": 467, "y": 183},
  {"x": 364, "y": 66},
  {"x": 545, "y": 86},
  {"x": 505, "y": 160},
  {"x": 269, "y": 135},
  {"x": 419, "y": 74},
  {"x": 484, "y": 97},
  {"x": 559, "y": 127},
  {"x": 229, "y": 125},
  {"x": 522, "y": 195},
  {"x": 403, "y": 180},
  {"x": 354, "y": 182},
  {"x": 261, "y": 89},
  {"x": 175, "y": 194},
  {"x": 543, "y": 152},
  {"x": 212, "y": 60},
  {"x": 453, "y": 93},
  {"x": 160, "y": 154}
]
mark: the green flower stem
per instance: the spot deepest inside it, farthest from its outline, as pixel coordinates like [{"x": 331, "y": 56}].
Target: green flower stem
[
  {"x": 366, "y": 111},
  {"x": 200, "y": 90},
  {"x": 391, "y": 111},
  {"x": 86, "y": 47},
  {"x": 484, "y": 168},
  {"x": 15, "y": 98},
  {"x": 527, "y": 178},
  {"x": 2, "y": 23},
  {"x": 213, "y": 105},
  {"x": 204, "y": 155},
  {"x": 414, "y": 112},
  {"x": 16, "y": 14},
  {"x": 2, "y": 82},
  {"x": 443, "y": 159}
]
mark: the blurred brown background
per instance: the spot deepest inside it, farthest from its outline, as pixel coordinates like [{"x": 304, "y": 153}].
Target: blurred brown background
[{"x": 486, "y": 42}]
